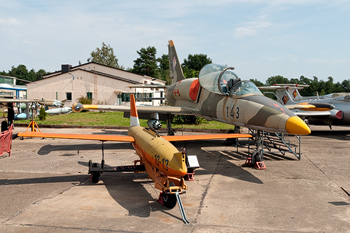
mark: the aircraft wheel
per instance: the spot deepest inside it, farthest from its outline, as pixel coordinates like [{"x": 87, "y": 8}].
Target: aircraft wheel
[
  {"x": 95, "y": 176},
  {"x": 170, "y": 199}
]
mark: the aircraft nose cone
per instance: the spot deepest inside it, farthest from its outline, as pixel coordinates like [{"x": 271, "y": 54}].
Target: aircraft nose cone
[{"x": 297, "y": 126}]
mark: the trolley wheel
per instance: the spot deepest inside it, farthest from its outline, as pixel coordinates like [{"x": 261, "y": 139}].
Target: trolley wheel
[
  {"x": 169, "y": 199},
  {"x": 95, "y": 176}
]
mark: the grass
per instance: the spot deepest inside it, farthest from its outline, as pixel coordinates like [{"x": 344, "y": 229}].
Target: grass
[{"x": 112, "y": 119}]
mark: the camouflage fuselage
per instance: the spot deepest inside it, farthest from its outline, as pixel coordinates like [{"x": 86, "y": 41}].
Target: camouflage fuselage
[{"x": 251, "y": 110}]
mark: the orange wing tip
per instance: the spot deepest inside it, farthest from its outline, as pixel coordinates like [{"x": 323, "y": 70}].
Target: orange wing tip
[
  {"x": 118, "y": 138},
  {"x": 171, "y": 43}
]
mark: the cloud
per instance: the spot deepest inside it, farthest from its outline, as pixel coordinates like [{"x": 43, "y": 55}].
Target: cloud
[
  {"x": 9, "y": 22},
  {"x": 252, "y": 27},
  {"x": 327, "y": 61}
]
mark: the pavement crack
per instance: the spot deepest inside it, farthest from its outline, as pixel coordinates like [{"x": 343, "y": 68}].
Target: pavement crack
[
  {"x": 72, "y": 228},
  {"x": 208, "y": 185}
]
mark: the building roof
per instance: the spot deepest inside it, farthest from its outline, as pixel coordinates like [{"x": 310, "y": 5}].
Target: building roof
[
  {"x": 78, "y": 67},
  {"x": 98, "y": 73}
]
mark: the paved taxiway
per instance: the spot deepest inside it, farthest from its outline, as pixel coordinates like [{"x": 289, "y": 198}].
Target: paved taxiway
[{"x": 44, "y": 187}]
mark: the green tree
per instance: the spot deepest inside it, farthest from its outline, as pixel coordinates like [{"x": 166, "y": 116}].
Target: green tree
[
  {"x": 194, "y": 63},
  {"x": 163, "y": 68},
  {"x": 21, "y": 72},
  {"x": 338, "y": 87},
  {"x": 105, "y": 55},
  {"x": 276, "y": 80},
  {"x": 40, "y": 73},
  {"x": 329, "y": 85},
  {"x": 146, "y": 64},
  {"x": 346, "y": 85},
  {"x": 257, "y": 82}
]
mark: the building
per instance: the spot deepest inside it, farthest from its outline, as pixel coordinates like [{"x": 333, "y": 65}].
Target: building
[
  {"x": 102, "y": 84},
  {"x": 9, "y": 89}
]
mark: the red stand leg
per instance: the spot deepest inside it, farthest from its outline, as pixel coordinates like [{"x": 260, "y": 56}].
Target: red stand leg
[
  {"x": 260, "y": 165},
  {"x": 189, "y": 176},
  {"x": 160, "y": 199},
  {"x": 248, "y": 162}
]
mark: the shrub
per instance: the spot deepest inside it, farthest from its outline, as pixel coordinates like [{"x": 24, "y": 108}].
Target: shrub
[
  {"x": 42, "y": 114},
  {"x": 188, "y": 119},
  {"x": 84, "y": 100}
]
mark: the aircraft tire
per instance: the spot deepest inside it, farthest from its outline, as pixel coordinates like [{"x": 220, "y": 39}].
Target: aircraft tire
[{"x": 170, "y": 199}]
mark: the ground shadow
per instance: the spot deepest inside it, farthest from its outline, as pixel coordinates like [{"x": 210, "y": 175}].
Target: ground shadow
[
  {"x": 215, "y": 158},
  {"x": 82, "y": 147},
  {"x": 335, "y": 134}
]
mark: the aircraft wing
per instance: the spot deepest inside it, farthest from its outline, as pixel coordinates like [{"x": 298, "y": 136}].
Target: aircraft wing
[
  {"x": 280, "y": 87},
  {"x": 311, "y": 106},
  {"x": 298, "y": 106},
  {"x": 312, "y": 113},
  {"x": 3, "y": 100},
  {"x": 204, "y": 137},
  {"x": 77, "y": 107},
  {"x": 118, "y": 138}
]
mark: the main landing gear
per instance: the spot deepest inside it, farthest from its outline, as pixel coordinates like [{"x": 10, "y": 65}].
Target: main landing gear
[
  {"x": 256, "y": 160},
  {"x": 167, "y": 199},
  {"x": 170, "y": 197}
]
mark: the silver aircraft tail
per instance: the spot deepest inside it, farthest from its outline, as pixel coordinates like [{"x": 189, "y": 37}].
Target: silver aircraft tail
[
  {"x": 289, "y": 94},
  {"x": 286, "y": 93},
  {"x": 176, "y": 73}
]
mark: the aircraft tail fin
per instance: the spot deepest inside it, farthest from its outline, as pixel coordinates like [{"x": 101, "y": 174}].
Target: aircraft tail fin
[
  {"x": 134, "y": 118},
  {"x": 289, "y": 95},
  {"x": 176, "y": 73}
]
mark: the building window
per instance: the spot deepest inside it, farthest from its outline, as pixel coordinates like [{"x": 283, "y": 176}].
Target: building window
[
  {"x": 69, "y": 96},
  {"x": 89, "y": 95}
]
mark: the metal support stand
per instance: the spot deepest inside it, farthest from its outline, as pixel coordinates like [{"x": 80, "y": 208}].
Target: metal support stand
[
  {"x": 182, "y": 211},
  {"x": 33, "y": 126},
  {"x": 168, "y": 125},
  {"x": 278, "y": 142},
  {"x": 103, "y": 156}
]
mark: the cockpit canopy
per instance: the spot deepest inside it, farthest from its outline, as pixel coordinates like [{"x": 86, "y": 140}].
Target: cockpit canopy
[{"x": 222, "y": 80}]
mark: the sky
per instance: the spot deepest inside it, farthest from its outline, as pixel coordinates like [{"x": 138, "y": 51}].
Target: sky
[{"x": 259, "y": 38}]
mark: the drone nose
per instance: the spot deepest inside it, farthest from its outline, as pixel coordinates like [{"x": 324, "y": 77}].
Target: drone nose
[
  {"x": 77, "y": 107},
  {"x": 297, "y": 126}
]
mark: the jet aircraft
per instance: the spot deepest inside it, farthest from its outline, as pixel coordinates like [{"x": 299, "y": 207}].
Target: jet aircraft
[
  {"x": 331, "y": 109},
  {"x": 217, "y": 94},
  {"x": 160, "y": 159}
]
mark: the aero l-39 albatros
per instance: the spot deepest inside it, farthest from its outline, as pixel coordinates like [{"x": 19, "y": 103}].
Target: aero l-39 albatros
[
  {"x": 163, "y": 162},
  {"x": 217, "y": 94}
]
